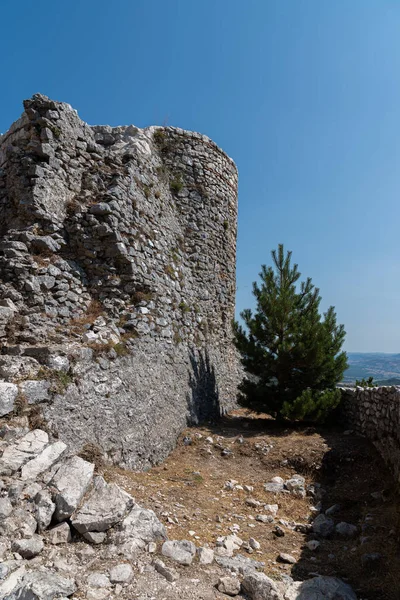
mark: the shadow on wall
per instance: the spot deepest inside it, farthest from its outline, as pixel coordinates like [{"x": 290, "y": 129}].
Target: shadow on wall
[{"x": 203, "y": 399}]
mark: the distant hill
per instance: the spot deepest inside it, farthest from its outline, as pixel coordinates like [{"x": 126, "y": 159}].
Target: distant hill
[{"x": 384, "y": 368}]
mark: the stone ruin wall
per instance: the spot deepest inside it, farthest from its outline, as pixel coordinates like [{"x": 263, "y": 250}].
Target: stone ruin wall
[
  {"x": 117, "y": 280},
  {"x": 375, "y": 413}
]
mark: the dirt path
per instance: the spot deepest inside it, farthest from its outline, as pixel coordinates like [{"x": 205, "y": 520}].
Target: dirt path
[{"x": 189, "y": 494}]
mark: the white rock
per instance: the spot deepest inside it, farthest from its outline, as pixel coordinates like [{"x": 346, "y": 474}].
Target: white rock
[
  {"x": 98, "y": 580},
  {"x": 271, "y": 508},
  {"x": 23, "y": 450},
  {"x": 182, "y": 552},
  {"x": 44, "y": 461},
  {"x": 121, "y": 573},
  {"x": 278, "y": 480},
  {"x": 139, "y": 528},
  {"x": 72, "y": 480},
  {"x": 229, "y": 586},
  {"x": 44, "y": 509},
  {"x": 106, "y": 506},
  {"x": 8, "y": 394},
  {"x": 5, "y": 508},
  {"x": 254, "y": 544},
  {"x": 206, "y": 555},
  {"x": 260, "y": 587}
]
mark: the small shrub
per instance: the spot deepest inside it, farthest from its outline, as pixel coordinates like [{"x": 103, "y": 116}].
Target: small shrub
[
  {"x": 159, "y": 137},
  {"x": 20, "y": 404},
  {"x": 92, "y": 453},
  {"x": 141, "y": 296},
  {"x": 169, "y": 270},
  {"x": 176, "y": 184},
  {"x": 36, "y": 419},
  {"x": 184, "y": 307},
  {"x": 72, "y": 207},
  {"x": 177, "y": 338},
  {"x": 55, "y": 130},
  {"x": 60, "y": 381},
  {"x": 157, "y": 194},
  {"x": 225, "y": 225}
]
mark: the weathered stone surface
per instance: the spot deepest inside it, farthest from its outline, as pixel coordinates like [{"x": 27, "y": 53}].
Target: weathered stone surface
[
  {"x": 346, "y": 530},
  {"x": 28, "y": 548},
  {"x": 20, "y": 523},
  {"x": 42, "y": 585},
  {"x": 35, "y": 391},
  {"x": 46, "y": 459},
  {"x": 5, "y": 508},
  {"x": 72, "y": 480},
  {"x": 122, "y": 573},
  {"x": 320, "y": 588},
  {"x": 106, "y": 506},
  {"x": 323, "y": 526},
  {"x": 139, "y": 528},
  {"x": 229, "y": 586},
  {"x": 44, "y": 509},
  {"x": 98, "y": 580},
  {"x": 8, "y": 394},
  {"x": 167, "y": 572},
  {"x": 206, "y": 555},
  {"x": 239, "y": 564},
  {"x": 158, "y": 238},
  {"x": 60, "y": 534},
  {"x": 95, "y": 537},
  {"x": 374, "y": 412},
  {"x": 23, "y": 450},
  {"x": 286, "y": 558},
  {"x": 260, "y": 587},
  {"x": 182, "y": 552}
]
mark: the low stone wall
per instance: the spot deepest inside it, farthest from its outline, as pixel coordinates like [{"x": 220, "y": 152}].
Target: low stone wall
[{"x": 375, "y": 413}]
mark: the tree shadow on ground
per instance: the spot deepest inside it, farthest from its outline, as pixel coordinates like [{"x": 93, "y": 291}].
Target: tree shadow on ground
[
  {"x": 203, "y": 400},
  {"x": 350, "y": 474}
]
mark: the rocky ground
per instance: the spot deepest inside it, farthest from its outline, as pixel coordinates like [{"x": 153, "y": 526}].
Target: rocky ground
[{"x": 242, "y": 508}]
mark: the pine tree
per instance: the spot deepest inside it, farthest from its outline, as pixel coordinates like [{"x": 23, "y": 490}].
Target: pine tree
[{"x": 291, "y": 354}]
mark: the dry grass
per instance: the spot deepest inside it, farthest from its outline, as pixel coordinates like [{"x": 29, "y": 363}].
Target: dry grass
[
  {"x": 189, "y": 489},
  {"x": 93, "y": 311}
]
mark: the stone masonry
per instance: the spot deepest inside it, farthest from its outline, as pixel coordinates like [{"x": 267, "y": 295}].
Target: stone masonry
[
  {"x": 117, "y": 280},
  {"x": 375, "y": 413}
]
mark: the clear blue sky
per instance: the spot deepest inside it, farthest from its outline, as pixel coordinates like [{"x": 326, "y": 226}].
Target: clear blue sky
[{"x": 303, "y": 94}]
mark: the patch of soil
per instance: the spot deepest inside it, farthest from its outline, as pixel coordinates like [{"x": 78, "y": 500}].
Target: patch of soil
[{"x": 188, "y": 494}]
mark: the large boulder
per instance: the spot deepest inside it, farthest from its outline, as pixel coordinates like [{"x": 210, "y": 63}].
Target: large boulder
[
  {"x": 320, "y": 588},
  {"x": 106, "y": 506},
  {"x": 71, "y": 481},
  {"x": 39, "y": 585}
]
